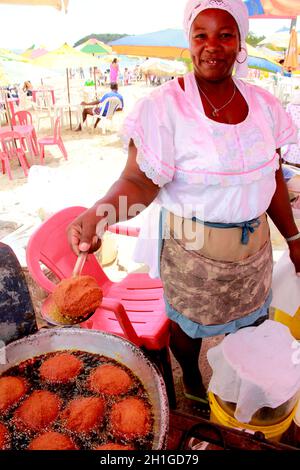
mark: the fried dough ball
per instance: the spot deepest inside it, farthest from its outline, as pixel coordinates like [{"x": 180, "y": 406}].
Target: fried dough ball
[
  {"x": 130, "y": 418},
  {"x": 11, "y": 390},
  {"x": 61, "y": 368},
  {"x": 52, "y": 441},
  {"x": 77, "y": 297},
  {"x": 109, "y": 379},
  {"x": 113, "y": 446},
  {"x": 4, "y": 437},
  {"x": 83, "y": 415},
  {"x": 37, "y": 411}
]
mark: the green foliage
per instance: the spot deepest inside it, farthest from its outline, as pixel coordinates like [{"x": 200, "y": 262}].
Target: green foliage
[
  {"x": 253, "y": 40},
  {"x": 106, "y": 38}
]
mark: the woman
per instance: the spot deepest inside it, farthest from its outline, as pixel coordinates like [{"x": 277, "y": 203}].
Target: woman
[
  {"x": 207, "y": 148},
  {"x": 114, "y": 71}
]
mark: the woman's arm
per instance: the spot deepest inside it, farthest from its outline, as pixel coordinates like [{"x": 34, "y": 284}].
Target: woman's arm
[
  {"x": 280, "y": 212},
  {"x": 127, "y": 197}
]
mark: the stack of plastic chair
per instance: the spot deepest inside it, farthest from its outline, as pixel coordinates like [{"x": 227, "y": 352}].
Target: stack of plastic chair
[{"x": 140, "y": 298}]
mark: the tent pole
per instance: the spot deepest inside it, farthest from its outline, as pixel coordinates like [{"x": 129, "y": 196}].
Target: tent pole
[{"x": 69, "y": 100}]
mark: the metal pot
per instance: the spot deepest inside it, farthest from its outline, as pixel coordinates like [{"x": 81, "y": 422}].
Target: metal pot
[{"x": 98, "y": 342}]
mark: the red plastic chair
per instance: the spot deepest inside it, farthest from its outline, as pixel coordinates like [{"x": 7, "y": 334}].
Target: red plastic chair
[
  {"x": 53, "y": 140},
  {"x": 141, "y": 297}
]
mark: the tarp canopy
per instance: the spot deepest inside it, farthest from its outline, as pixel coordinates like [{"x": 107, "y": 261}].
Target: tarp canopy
[
  {"x": 58, "y": 4},
  {"x": 273, "y": 8}
]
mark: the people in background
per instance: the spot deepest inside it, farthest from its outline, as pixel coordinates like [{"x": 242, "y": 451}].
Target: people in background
[
  {"x": 27, "y": 88},
  {"x": 114, "y": 71},
  {"x": 97, "y": 109}
]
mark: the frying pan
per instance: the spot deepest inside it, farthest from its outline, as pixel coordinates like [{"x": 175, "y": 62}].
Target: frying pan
[{"x": 98, "y": 342}]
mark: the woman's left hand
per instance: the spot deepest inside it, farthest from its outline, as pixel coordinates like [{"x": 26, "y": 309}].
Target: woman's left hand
[{"x": 294, "y": 247}]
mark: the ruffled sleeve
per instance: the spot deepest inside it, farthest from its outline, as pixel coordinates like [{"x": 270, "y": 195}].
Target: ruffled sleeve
[
  {"x": 147, "y": 126},
  {"x": 285, "y": 131}
]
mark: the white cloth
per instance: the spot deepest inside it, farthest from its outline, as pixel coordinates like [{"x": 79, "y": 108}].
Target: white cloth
[
  {"x": 285, "y": 286},
  {"x": 224, "y": 172},
  {"x": 256, "y": 367},
  {"x": 236, "y": 8}
]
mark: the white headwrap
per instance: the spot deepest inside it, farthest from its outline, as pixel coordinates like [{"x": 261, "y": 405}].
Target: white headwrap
[{"x": 237, "y": 9}]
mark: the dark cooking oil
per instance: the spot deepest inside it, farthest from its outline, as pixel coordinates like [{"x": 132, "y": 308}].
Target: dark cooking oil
[{"x": 76, "y": 388}]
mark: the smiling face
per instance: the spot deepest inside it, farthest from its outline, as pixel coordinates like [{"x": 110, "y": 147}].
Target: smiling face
[{"x": 214, "y": 44}]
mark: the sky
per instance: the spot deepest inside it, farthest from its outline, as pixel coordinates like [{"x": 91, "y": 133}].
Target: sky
[{"x": 23, "y": 26}]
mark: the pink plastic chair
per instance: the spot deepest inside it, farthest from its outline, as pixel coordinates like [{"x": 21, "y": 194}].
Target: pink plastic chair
[
  {"x": 10, "y": 150},
  {"x": 24, "y": 118},
  {"x": 138, "y": 296},
  {"x": 53, "y": 140}
]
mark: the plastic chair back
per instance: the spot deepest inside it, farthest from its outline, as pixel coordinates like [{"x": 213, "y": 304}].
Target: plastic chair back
[
  {"x": 49, "y": 245},
  {"x": 113, "y": 104},
  {"x": 23, "y": 117},
  {"x": 57, "y": 130},
  {"x": 9, "y": 142}
]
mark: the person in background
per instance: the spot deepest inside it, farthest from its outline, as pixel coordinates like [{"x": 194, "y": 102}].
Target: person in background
[
  {"x": 97, "y": 109},
  {"x": 126, "y": 76},
  {"x": 206, "y": 148},
  {"x": 27, "y": 88},
  {"x": 114, "y": 71}
]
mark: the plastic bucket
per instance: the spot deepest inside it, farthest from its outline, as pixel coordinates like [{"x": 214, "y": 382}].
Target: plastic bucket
[
  {"x": 293, "y": 323},
  {"x": 272, "y": 432}
]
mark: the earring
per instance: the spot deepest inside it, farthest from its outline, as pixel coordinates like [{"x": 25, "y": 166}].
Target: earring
[{"x": 243, "y": 49}]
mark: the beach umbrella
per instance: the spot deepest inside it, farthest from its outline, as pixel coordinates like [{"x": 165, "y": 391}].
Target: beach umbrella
[
  {"x": 5, "y": 54},
  {"x": 279, "y": 40},
  {"x": 64, "y": 58},
  {"x": 165, "y": 44},
  {"x": 58, "y": 4},
  {"x": 163, "y": 67},
  {"x": 273, "y": 8},
  {"x": 291, "y": 58},
  {"x": 95, "y": 47},
  {"x": 33, "y": 53}
]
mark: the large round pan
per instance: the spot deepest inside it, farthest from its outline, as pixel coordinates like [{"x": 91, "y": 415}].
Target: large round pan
[{"x": 109, "y": 345}]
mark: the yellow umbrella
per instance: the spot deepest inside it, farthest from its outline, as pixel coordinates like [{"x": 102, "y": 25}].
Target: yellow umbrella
[
  {"x": 66, "y": 57},
  {"x": 291, "y": 58},
  {"x": 58, "y": 4},
  {"x": 9, "y": 55}
]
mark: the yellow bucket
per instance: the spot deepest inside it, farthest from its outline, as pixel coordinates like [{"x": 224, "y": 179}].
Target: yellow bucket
[
  {"x": 273, "y": 432},
  {"x": 293, "y": 323}
]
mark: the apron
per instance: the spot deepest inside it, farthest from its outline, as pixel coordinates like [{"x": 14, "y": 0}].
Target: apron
[{"x": 220, "y": 280}]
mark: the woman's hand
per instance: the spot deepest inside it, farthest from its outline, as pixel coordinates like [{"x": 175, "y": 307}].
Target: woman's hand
[
  {"x": 294, "y": 247},
  {"x": 82, "y": 232}
]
